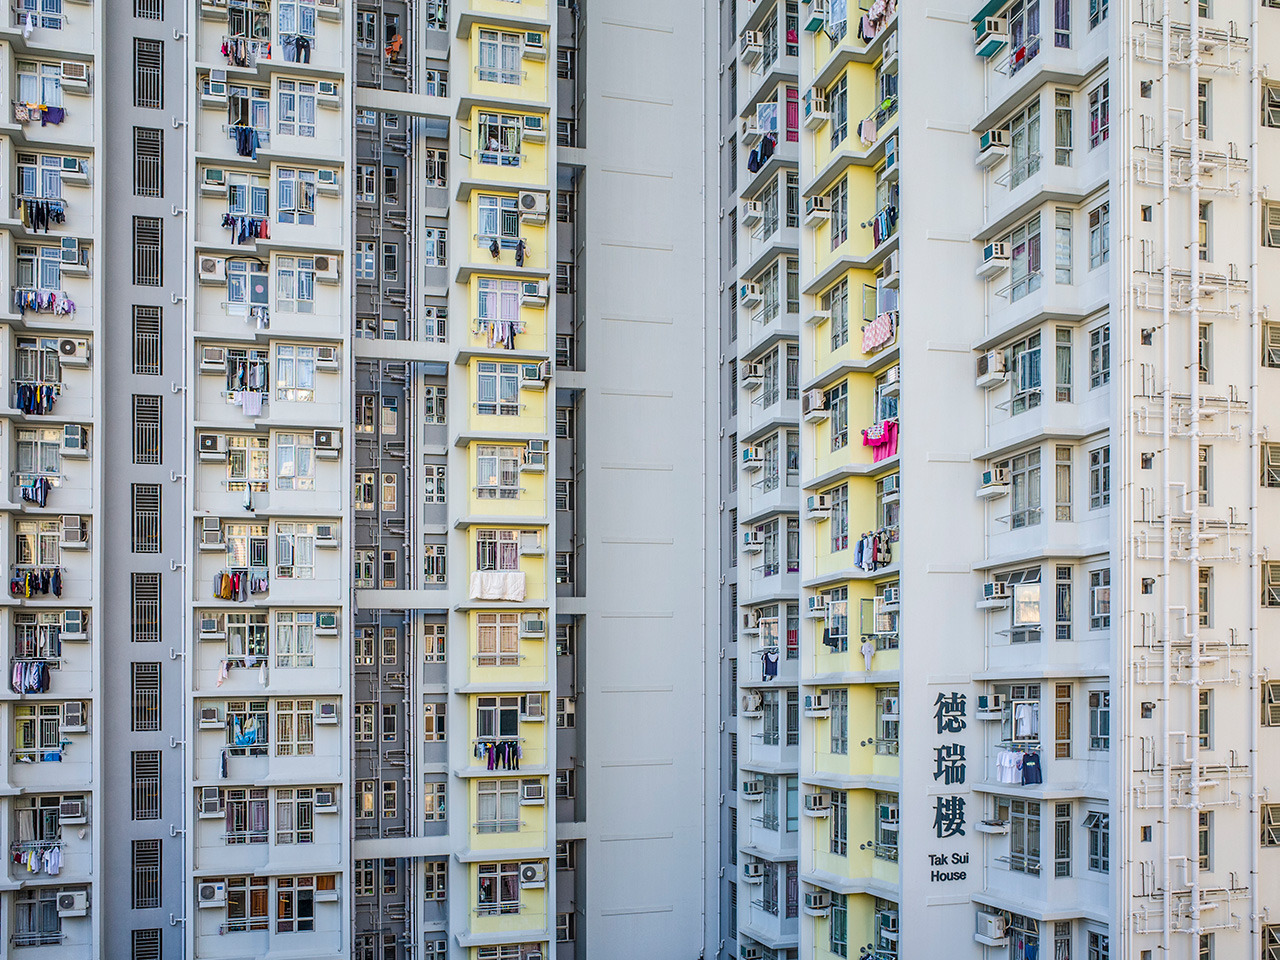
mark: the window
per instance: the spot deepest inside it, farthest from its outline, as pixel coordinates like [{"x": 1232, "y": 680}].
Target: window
[
  {"x": 838, "y": 107},
  {"x": 498, "y": 472},
  {"x": 1205, "y": 839},
  {"x": 1024, "y": 134},
  {"x": 1203, "y": 107},
  {"x": 1061, "y": 246},
  {"x": 1099, "y": 827},
  {"x": 838, "y": 925},
  {"x": 1025, "y": 264},
  {"x": 366, "y": 260},
  {"x": 1205, "y": 353},
  {"x": 296, "y": 285},
  {"x": 295, "y": 732},
  {"x": 295, "y": 902},
  {"x": 497, "y": 806},
  {"x": 391, "y": 262},
  {"x": 1062, "y": 488},
  {"x": 145, "y": 590},
  {"x": 838, "y": 198},
  {"x": 1100, "y": 720},
  {"x": 146, "y": 341},
  {"x": 1099, "y": 119},
  {"x": 296, "y": 551},
  {"x": 298, "y": 17},
  {"x": 1099, "y": 355},
  {"x": 1025, "y": 617},
  {"x": 148, "y": 74},
  {"x": 1204, "y": 710},
  {"x": 1100, "y": 599},
  {"x": 148, "y": 234},
  {"x": 433, "y": 722},
  {"x": 146, "y": 944},
  {"x": 433, "y": 557},
  {"x": 146, "y": 429},
  {"x": 37, "y": 543},
  {"x": 146, "y": 784},
  {"x": 498, "y": 640},
  {"x": 499, "y": 60},
  {"x": 886, "y": 835},
  {"x": 564, "y": 496},
  {"x": 434, "y": 800},
  {"x": 1099, "y": 477},
  {"x": 1205, "y": 229},
  {"x": 839, "y": 522},
  {"x": 1204, "y": 597},
  {"x": 1062, "y": 134},
  {"x": 498, "y": 136},
  {"x": 296, "y": 195},
  {"x": 836, "y": 300},
  {"x": 146, "y": 517},
  {"x": 1062, "y": 603},
  {"x": 1062, "y": 721},
  {"x": 1024, "y": 472},
  {"x": 145, "y": 696},
  {"x": 887, "y": 722},
  {"x": 1062, "y": 840},
  {"x": 148, "y": 162},
  {"x": 436, "y": 873},
  {"x": 1097, "y": 12},
  {"x": 499, "y": 889},
  {"x": 566, "y": 784},
  {"x": 146, "y": 874},
  {"x": 295, "y": 638},
  {"x": 1023, "y": 817},
  {"x": 837, "y": 398},
  {"x": 296, "y": 100},
  {"x": 295, "y": 461}
]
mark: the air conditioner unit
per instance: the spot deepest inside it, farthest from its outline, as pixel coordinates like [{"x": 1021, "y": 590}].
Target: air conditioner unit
[
  {"x": 818, "y": 605},
  {"x": 71, "y": 812},
  {"x": 535, "y": 46},
  {"x": 213, "y": 360},
  {"x": 817, "y": 705},
  {"x": 211, "y": 628},
  {"x": 891, "y": 599},
  {"x": 532, "y": 207},
  {"x": 73, "y": 717},
  {"x": 531, "y": 708},
  {"x": 75, "y": 625},
  {"x": 326, "y": 358},
  {"x": 326, "y": 267},
  {"x": 891, "y": 488},
  {"x": 75, "y": 259},
  {"x": 211, "y": 895},
  {"x": 533, "y": 793},
  {"x": 213, "y": 446},
  {"x": 210, "y": 803},
  {"x": 992, "y": 147},
  {"x": 327, "y": 94},
  {"x": 531, "y": 543},
  {"x": 75, "y": 534},
  {"x": 753, "y": 789},
  {"x": 991, "y": 369},
  {"x": 750, "y": 46},
  {"x": 213, "y": 271},
  {"x": 888, "y": 920},
  {"x": 211, "y": 534},
  {"x": 817, "y": 902},
  {"x": 329, "y": 9},
  {"x": 813, "y": 406},
  {"x": 816, "y": 111},
  {"x": 819, "y": 506},
  {"x": 213, "y": 91},
  {"x": 325, "y": 800},
  {"x": 752, "y": 541},
  {"x": 990, "y": 928},
  {"x": 991, "y": 706},
  {"x": 534, "y": 376},
  {"x": 328, "y": 183},
  {"x": 213, "y": 9},
  {"x": 533, "y": 627},
  {"x": 326, "y": 534},
  {"x": 535, "y": 456},
  {"x": 327, "y": 623},
  {"x": 989, "y": 36},
  {"x": 534, "y": 293},
  {"x": 533, "y": 875},
  {"x": 752, "y": 870},
  {"x": 751, "y": 132},
  {"x": 73, "y": 352},
  {"x": 752, "y": 703},
  {"x": 73, "y": 903},
  {"x": 889, "y": 708},
  {"x": 752, "y": 952},
  {"x": 995, "y": 590},
  {"x": 75, "y": 76},
  {"x": 995, "y": 477},
  {"x": 817, "y": 802},
  {"x": 749, "y": 294},
  {"x": 752, "y": 375},
  {"x": 75, "y": 440},
  {"x": 816, "y": 17},
  {"x": 752, "y": 211},
  {"x": 535, "y": 129},
  {"x": 328, "y": 443},
  {"x": 995, "y": 258},
  {"x": 817, "y": 207},
  {"x": 888, "y": 816},
  {"x": 327, "y": 712},
  {"x": 211, "y": 718},
  {"x": 751, "y": 458}
]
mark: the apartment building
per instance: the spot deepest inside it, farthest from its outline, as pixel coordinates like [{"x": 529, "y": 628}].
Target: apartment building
[
  {"x": 307, "y": 620},
  {"x": 1065, "y": 212}
]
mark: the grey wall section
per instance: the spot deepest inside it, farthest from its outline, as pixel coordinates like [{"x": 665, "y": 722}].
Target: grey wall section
[
  {"x": 646, "y": 419},
  {"x": 113, "y": 449}
]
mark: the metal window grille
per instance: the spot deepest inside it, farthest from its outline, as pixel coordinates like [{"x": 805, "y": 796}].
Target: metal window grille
[
  {"x": 146, "y": 607},
  {"x": 146, "y": 429},
  {"x": 148, "y": 73},
  {"x": 148, "y": 10},
  {"x": 146, "y": 696},
  {"x": 148, "y": 165},
  {"x": 146, "y": 785},
  {"x": 146, "y": 518},
  {"x": 146, "y": 341},
  {"x": 146, "y": 943},
  {"x": 146, "y": 874},
  {"x": 147, "y": 259}
]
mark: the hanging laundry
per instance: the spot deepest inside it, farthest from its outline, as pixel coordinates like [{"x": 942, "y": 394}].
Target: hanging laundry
[
  {"x": 247, "y": 140},
  {"x": 878, "y": 332},
  {"x": 882, "y": 438},
  {"x": 52, "y": 115},
  {"x": 769, "y": 663}
]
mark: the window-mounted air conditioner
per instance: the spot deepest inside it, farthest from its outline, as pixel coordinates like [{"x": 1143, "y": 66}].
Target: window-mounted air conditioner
[
  {"x": 75, "y": 76},
  {"x": 71, "y": 812},
  {"x": 990, "y": 36},
  {"x": 993, "y": 146},
  {"x": 327, "y": 623},
  {"x": 534, "y": 293},
  {"x": 752, "y": 212},
  {"x": 211, "y": 534},
  {"x": 995, "y": 258},
  {"x": 995, "y": 590},
  {"x": 534, "y": 46},
  {"x": 75, "y": 625},
  {"x": 210, "y": 718},
  {"x": 74, "y": 171},
  {"x": 813, "y": 406},
  {"x": 749, "y": 294},
  {"x": 327, "y": 712},
  {"x": 991, "y": 370}
]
